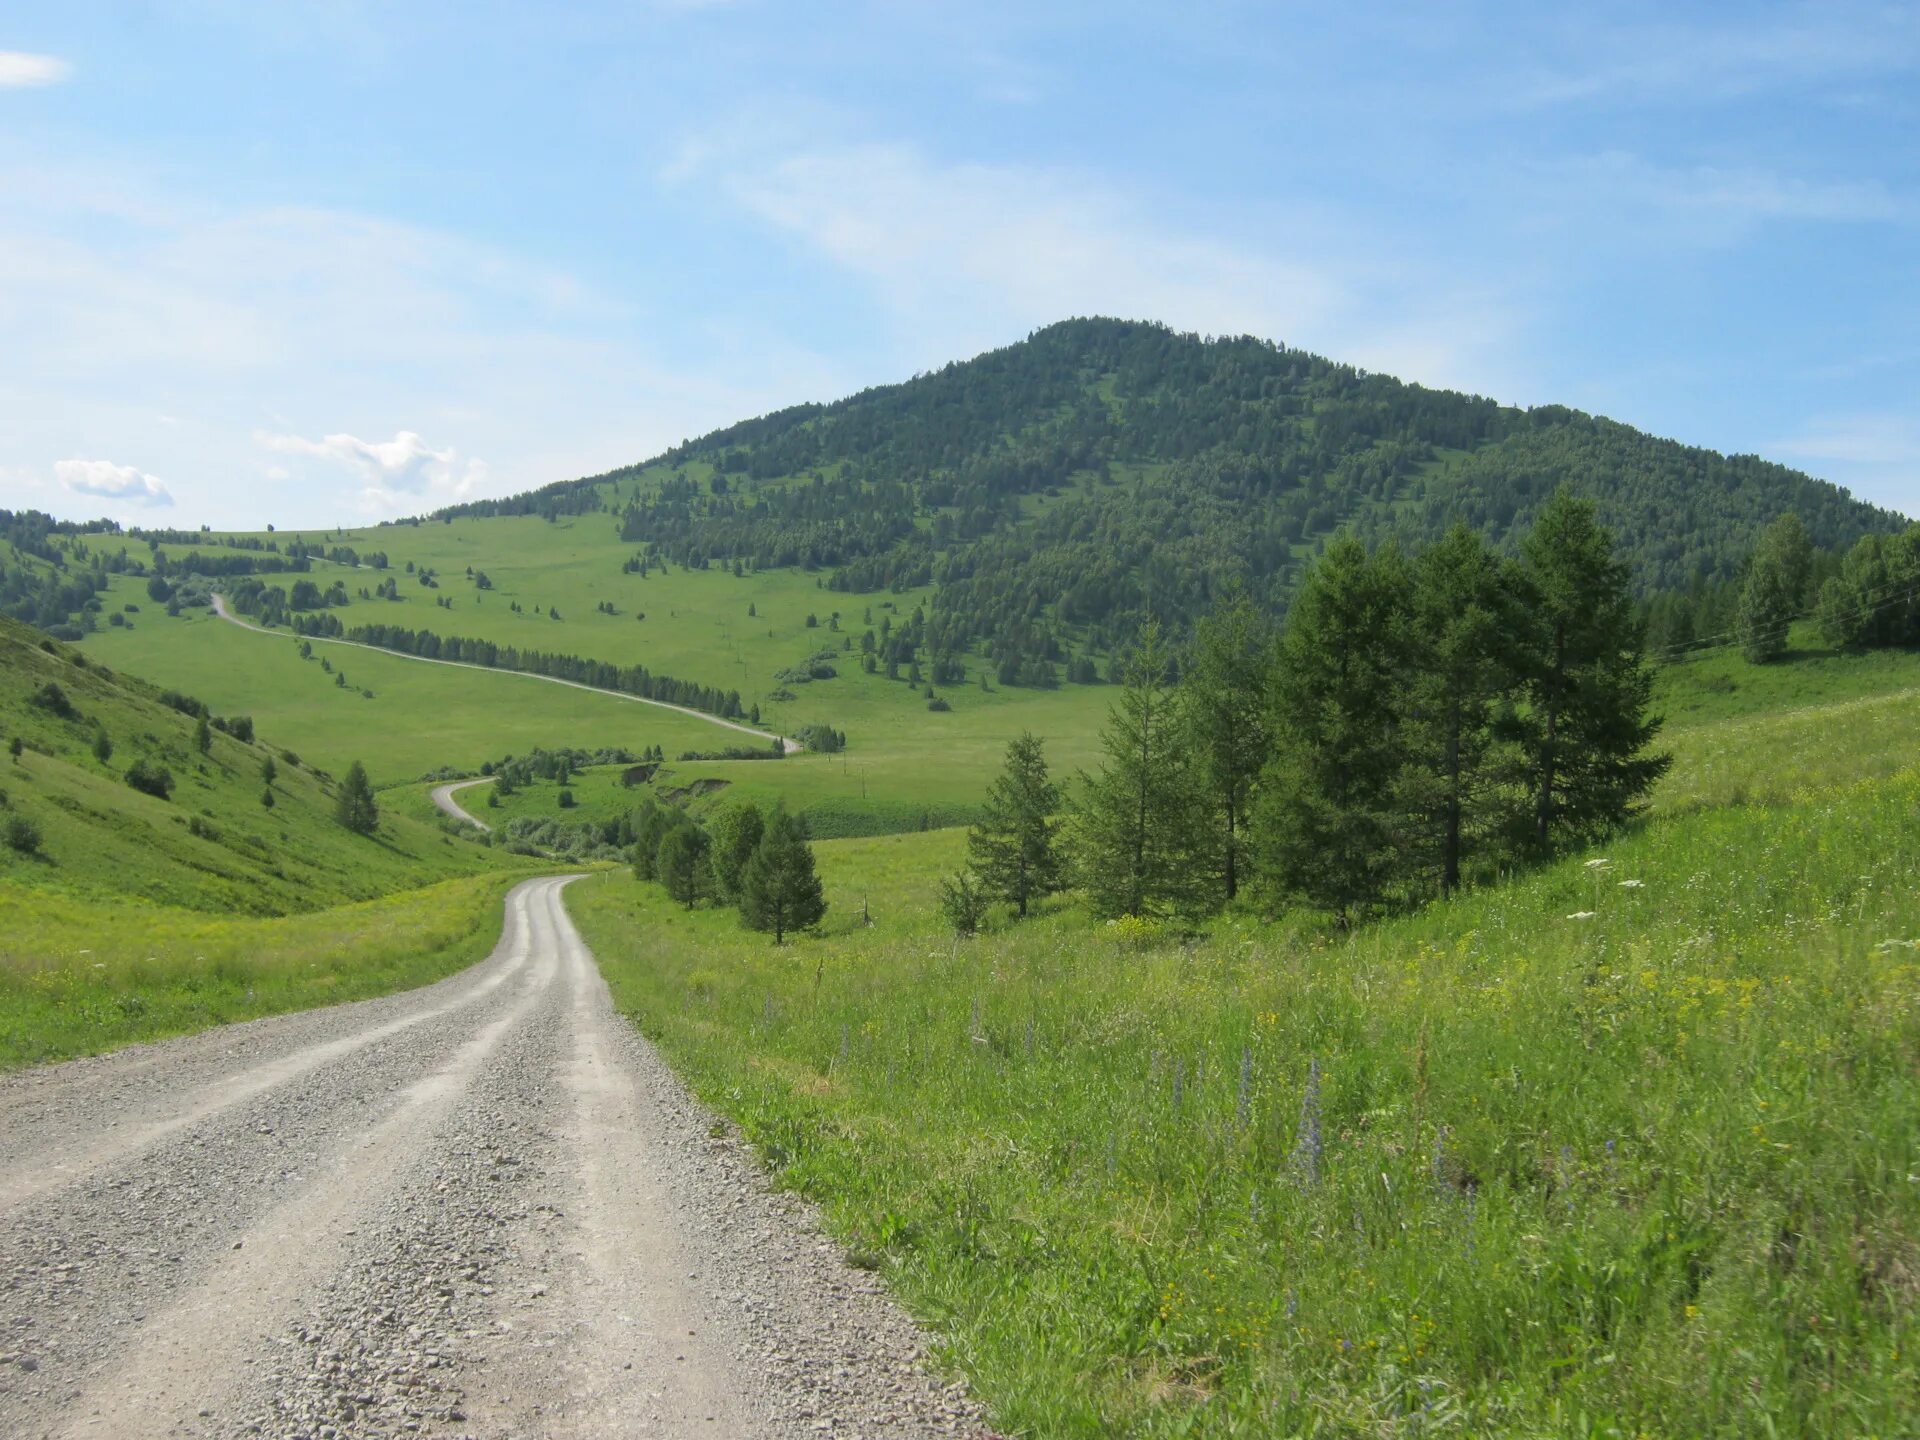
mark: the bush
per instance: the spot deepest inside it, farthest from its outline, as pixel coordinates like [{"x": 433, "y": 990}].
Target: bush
[
  {"x": 962, "y": 903},
  {"x": 52, "y": 699},
  {"x": 566, "y": 799},
  {"x": 151, "y": 779},
  {"x": 22, "y": 835}
]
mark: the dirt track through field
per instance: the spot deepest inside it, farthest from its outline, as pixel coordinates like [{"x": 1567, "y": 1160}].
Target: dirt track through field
[
  {"x": 483, "y": 1208},
  {"x": 791, "y": 746},
  {"x": 444, "y": 802}
]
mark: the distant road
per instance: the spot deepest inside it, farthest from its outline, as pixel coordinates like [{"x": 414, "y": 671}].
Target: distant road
[
  {"x": 220, "y": 609},
  {"x": 443, "y": 800},
  {"x": 483, "y": 1207}
]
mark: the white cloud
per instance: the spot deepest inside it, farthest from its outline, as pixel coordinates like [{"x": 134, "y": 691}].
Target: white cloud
[
  {"x": 19, "y": 70},
  {"x": 397, "y": 472},
  {"x": 1877, "y": 453},
  {"x": 108, "y": 481}
]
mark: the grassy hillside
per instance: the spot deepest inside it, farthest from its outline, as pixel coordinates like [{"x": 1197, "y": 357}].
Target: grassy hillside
[
  {"x": 212, "y": 845},
  {"x": 1626, "y": 1147}
]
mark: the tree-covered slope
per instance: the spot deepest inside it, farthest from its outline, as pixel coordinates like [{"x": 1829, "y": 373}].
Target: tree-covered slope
[
  {"x": 71, "y": 820},
  {"x": 1102, "y": 469}
]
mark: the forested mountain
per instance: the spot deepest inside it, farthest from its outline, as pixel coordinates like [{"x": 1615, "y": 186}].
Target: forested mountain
[{"x": 1059, "y": 490}]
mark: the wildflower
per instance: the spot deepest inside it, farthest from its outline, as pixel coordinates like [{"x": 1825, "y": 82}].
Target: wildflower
[
  {"x": 1633, "y": 884},
  {"x": 1583, "y": 915},
  {"x": 1596, "y": 864},
  {"x": 1307, "y": 1149}
]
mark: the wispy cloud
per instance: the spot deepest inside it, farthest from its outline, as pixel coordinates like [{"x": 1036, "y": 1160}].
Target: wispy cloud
[
  {"x": 397, "y": 473},
  {"x": 1877, "y": 452},
  {"x": 108, "y": 481},
  {"x": 20, "y": 70}
]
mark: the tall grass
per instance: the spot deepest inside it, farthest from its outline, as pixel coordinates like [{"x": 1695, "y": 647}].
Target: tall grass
[
  {"x": 81, "y": 976},
  {"x": 1629, "y": 1146}
]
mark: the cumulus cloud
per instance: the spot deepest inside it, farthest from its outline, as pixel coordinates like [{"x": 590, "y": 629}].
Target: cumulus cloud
[
  {"x": 394, "y": 471},
  {"x": 19, "y": 70},
  {"x": 109, "y": 481}
]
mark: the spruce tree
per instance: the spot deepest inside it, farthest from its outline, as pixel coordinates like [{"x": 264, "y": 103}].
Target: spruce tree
[
  {"x": 1460, "y": 651},
  {"x": 355, "y": 807},
  {"x": 1585, "y": 727},
  {"x": 1135, "y": 833},
  {"x": 203, "y": 736},
  {"x": 780, "y": 891},
  {"x": 1326, "y": 823},
  {"x": 1224, "y": 690},
  {"x": 1013, "y": 849}
]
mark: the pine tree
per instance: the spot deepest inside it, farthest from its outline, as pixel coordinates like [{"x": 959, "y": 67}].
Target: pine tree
[
  {"x": 355, "y": 807},
  {"x": 780, "y": 891},
  {"x": 1585, "y": 728},
  {"x": 1136, "y": 831},
  {"x": 1326, "y": 822},
  {"x": 203, "y": 736},
  {"x": 1461, "y": 623},
  {"x": 1013, "y": 849},
  {"x": 651, "y": 821},
  {"x": 1224, "y": 691},
  {"x": 682, "y": 863},
  {"x": 736, "y": 835}
]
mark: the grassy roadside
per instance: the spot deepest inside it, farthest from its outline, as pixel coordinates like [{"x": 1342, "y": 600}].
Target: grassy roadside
[
  {"x": 1624, "y": 1147},
  {"x": 83, "y": 976}
]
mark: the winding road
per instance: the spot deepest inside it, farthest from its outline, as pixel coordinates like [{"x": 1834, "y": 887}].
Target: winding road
[
  {"x": 444, "y": 802},
  {"x": 791, "y": 746},
  {"x": 481, "y": 1208}
]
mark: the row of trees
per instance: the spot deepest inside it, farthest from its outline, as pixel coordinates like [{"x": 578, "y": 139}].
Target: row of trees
[
  {"x": 1416, "y": 723},
  {"x": 759, "y": 863}
]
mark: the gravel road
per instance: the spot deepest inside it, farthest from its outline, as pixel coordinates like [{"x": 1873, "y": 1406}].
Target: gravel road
[
  {"x": 482, "y": 1208},
  {"x": 444, "y": 802}
]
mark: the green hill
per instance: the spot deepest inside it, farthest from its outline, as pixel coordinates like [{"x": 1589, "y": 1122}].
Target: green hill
[{"x": 211, "y": 844}]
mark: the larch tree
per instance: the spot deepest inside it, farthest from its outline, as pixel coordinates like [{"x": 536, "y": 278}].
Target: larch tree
[
  {"x": 1224, "y": 690},
  {"x": 779, "y": 890},
  {"x": 355, "y": 807},
  {"x": 1013, "y": 849}
]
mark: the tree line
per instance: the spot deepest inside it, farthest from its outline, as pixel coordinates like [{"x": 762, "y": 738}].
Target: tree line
[
  {"x": 761, "y": 864},
  {"x": 1419, "y": 722}
]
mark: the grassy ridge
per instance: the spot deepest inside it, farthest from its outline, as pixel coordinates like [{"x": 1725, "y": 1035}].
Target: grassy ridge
[
  {"x": 82, "y": 976},
  {"x": 1625, "y": 1147}
]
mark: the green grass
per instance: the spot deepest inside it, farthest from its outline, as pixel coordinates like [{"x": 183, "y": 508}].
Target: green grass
[
  {"x": 80, "y": 976},
  {"x": 1651, "y": 1170}
]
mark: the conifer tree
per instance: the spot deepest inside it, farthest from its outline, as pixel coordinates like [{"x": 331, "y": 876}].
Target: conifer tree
[
  {"x": 1774, "y": 589},
  {"x": 203, "y": 736},
  {"x": 736, "y": 833},
  {"x": 1013, "y": 849},
  {"x": 1461, "y": 627},
  {"x": 355, "y": 807},
  {"x": 1585, "y": 728},
  {"x": 1326, "y": 824},
  {"x": 1136, "y": 829},
  {"x": 1225, "y": 694},
  {"x": 780, "y": 891},
  {"x": 682, "y": 863}
]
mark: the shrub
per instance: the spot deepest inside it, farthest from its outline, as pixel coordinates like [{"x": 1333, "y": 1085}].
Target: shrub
[
  {"x": 22, "y": 835},
  {"x": 962, "y": 904},
  {"x": 151, "y": 779},
  {"x": 52, "y": 699}
]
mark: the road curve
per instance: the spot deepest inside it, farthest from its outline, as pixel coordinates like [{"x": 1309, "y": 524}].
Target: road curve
[
  {"x": 790, "y": 745},
  {"x": 444, "y": 802},
  {"x": 483, "y": 1208}
]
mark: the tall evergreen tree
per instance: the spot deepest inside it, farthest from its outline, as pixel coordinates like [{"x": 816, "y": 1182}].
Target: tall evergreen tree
[
  {"x": 780, "y": 891},
  {"x": 355, "y": 807},
  {"x": 736, "y": 834},
  {"x": 203, "y": 736},
  {"x": 1136, "y": 829},
  {"x": 1585, "y": 727},
  {"x": 1461, "y": 626},
  {"x": 681, "y": 863},
  {"x": 1225, "y": 693},
  {"x": 1013, "y": 849},
  {"x": 1326, "y": 821}
]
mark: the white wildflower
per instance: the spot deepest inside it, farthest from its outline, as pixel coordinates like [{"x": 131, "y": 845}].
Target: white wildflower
[
  {"x": 1583, "y": 915},
  {"x": 1633, "y": 884}
]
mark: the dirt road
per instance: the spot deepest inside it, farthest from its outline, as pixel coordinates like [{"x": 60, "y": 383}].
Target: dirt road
[
  {"x": 483, "y": 1208},
  {"x": 792, "y": 747},
  {"x": 444, "y": 802}
]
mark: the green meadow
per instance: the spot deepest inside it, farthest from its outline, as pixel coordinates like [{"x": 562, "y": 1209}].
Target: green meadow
[{"x": 1626, "y": 1146}]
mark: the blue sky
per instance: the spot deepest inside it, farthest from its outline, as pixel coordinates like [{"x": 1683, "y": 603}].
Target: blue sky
[{"x": 308, "y": 263}]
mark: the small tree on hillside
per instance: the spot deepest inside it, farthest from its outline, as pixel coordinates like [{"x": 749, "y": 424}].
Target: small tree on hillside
[
  {"x": 780, "y": 891},
  {"x": 1224, "y": 690},
  {"x": 682, "y": 863},
  {"x": 1775, "y": 587},
  {"x": 736, "y": 834},
  {"x": 355, "y": 807},
  {"x": 1136, "y": 830},
  {"x": 203, "y": 735},
  {"x": 1013, "y": 848}
]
